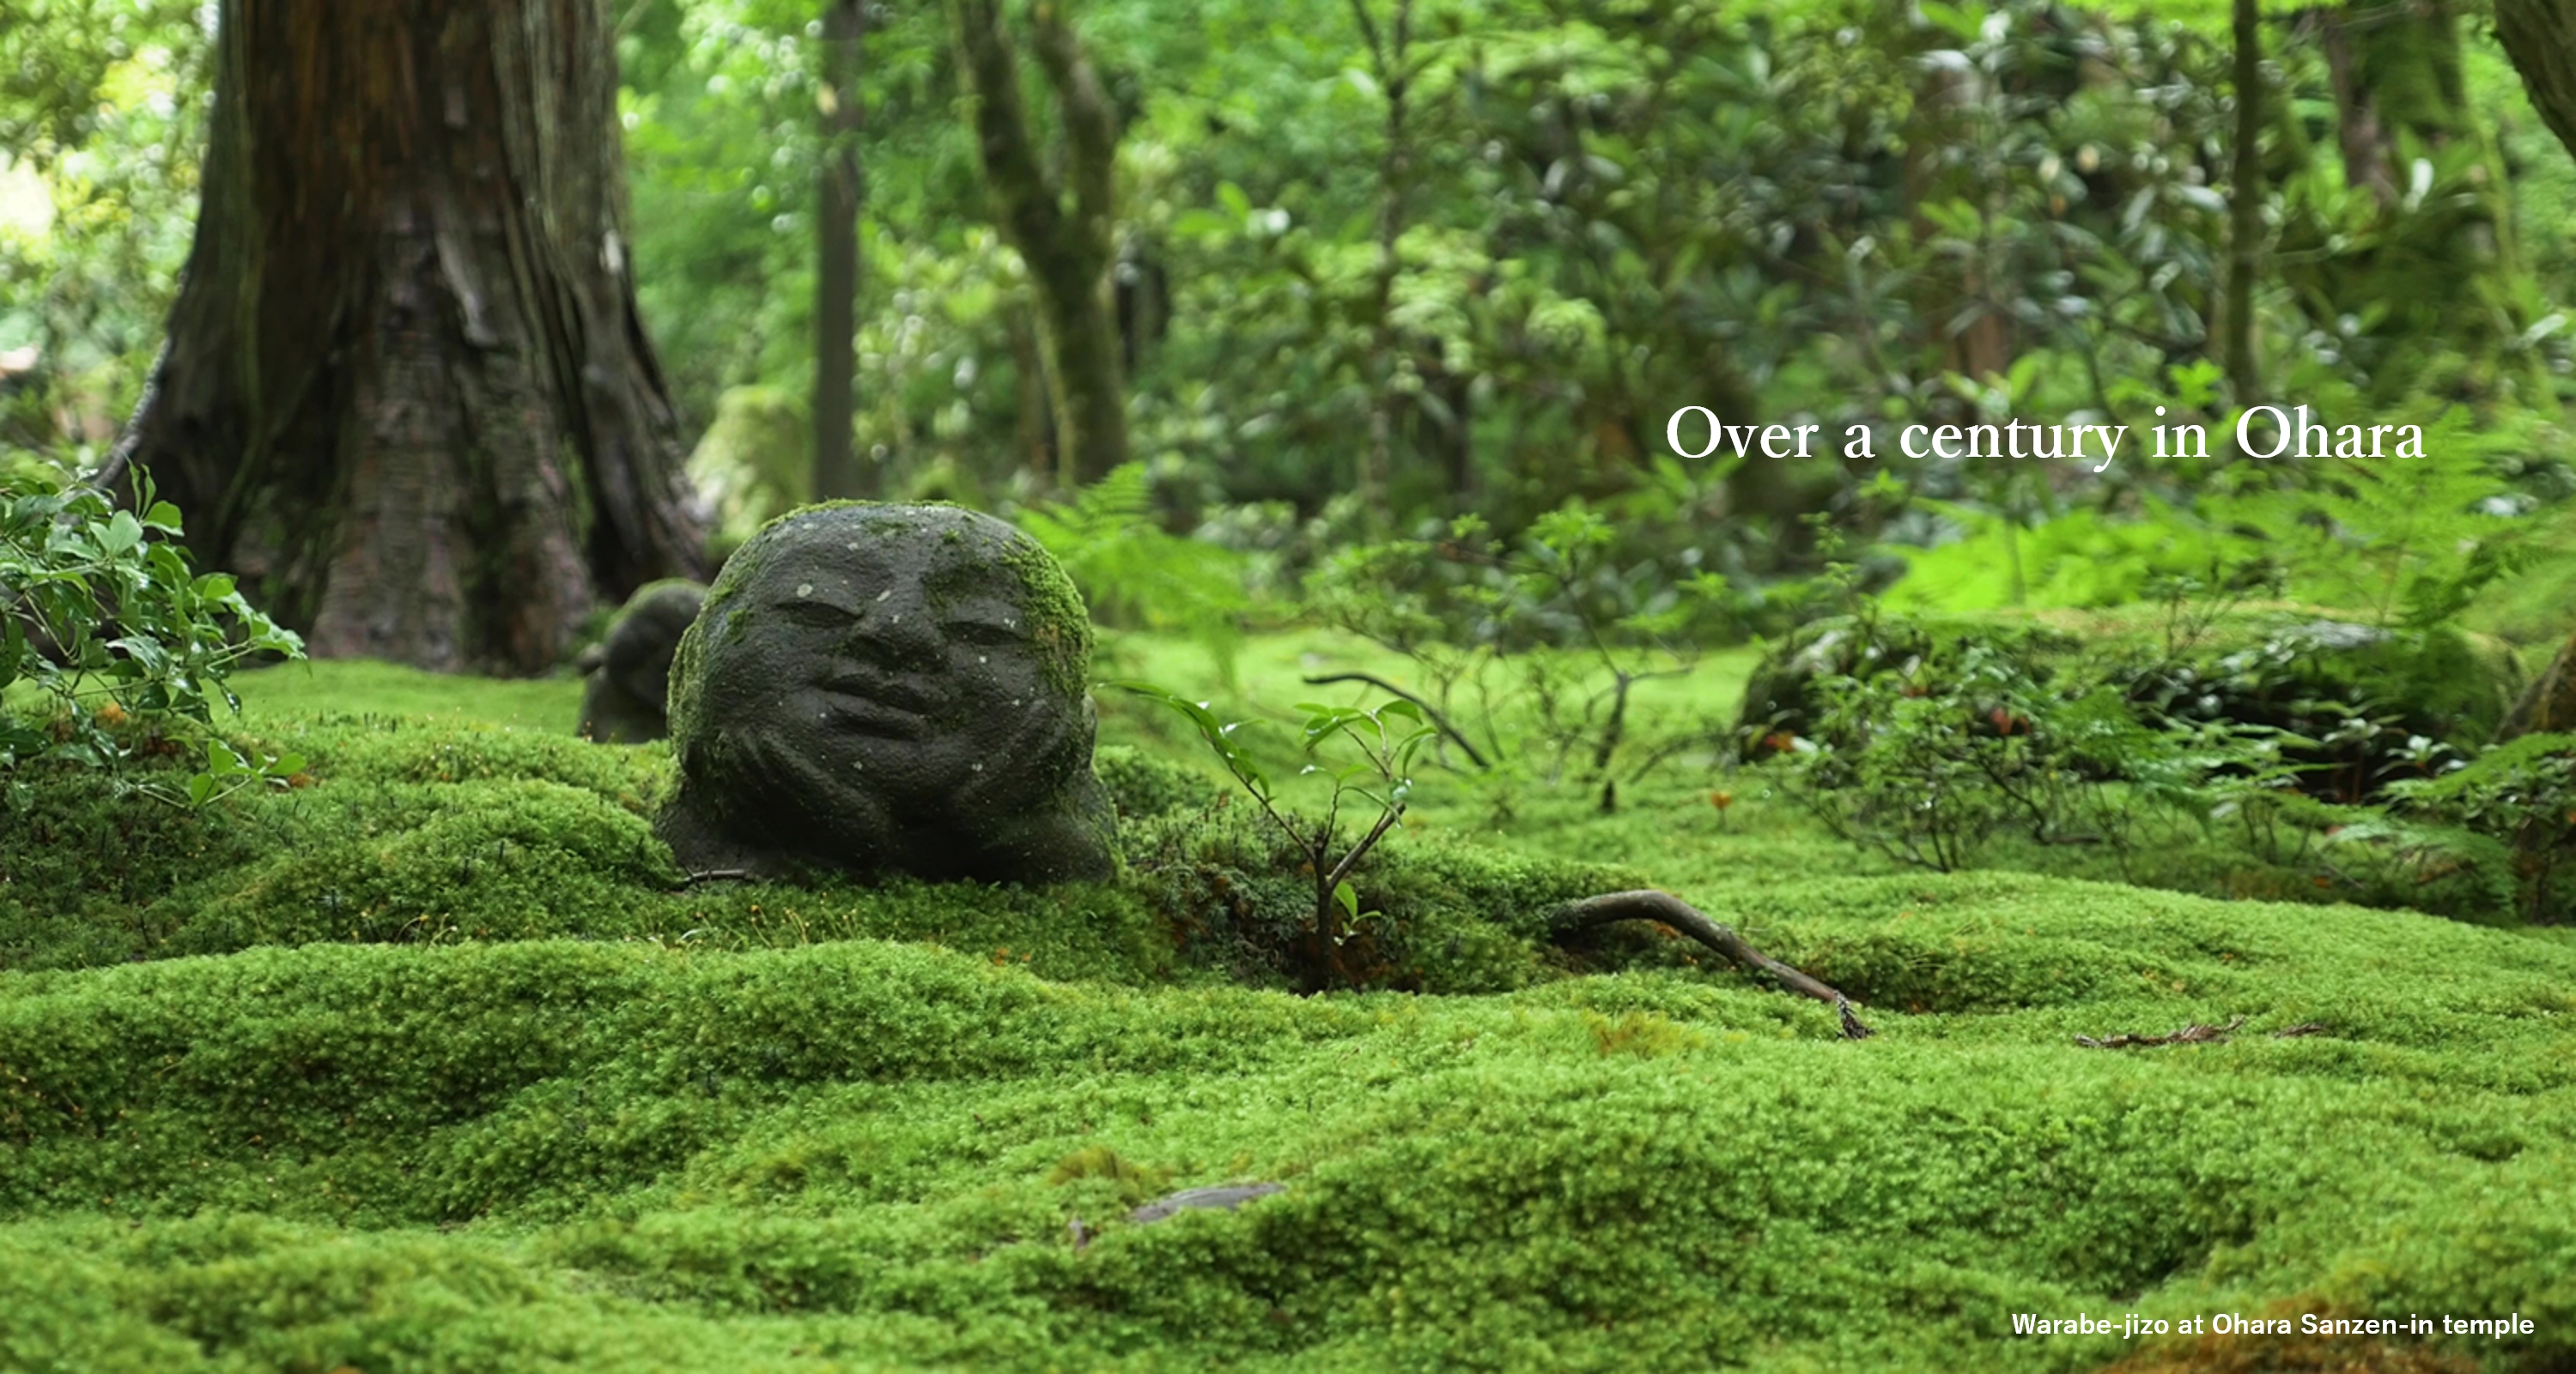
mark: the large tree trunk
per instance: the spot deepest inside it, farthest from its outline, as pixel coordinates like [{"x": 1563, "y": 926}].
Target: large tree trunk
[
  {"x": 2540, "y": 37},
  {"x": 405, "y": 393},
  {"x": 836, "y": 306},
  {"x": 1068, "y": 241}
]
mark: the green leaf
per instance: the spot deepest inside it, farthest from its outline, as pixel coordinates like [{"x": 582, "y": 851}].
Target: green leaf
[
  {"x": 215, "y": 586},
  {"x": 1203, "y": 224},
  {"x": 1219, "y": 736},
  {"x": 1349, "y": 898},
  {"x": 163, "y": 517},
  {"x": 201, "y": 789},
  {"x": 121, "y": 534}
]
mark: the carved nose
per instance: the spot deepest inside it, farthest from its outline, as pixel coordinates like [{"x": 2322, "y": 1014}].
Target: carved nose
[{"x": 898, "y": 629}]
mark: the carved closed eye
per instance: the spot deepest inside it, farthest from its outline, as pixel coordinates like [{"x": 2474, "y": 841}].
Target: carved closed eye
[
  {"x": 815, "y": 615},
  {"x": 988, "y": 633}
]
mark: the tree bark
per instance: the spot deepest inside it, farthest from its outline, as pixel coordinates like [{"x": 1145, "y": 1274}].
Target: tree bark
[
  {"x": 1036, "y": 420},
  {"x": 2357, "y": 130},
  {"x": 1066, "y": 233},
  {"x": 837, "y": 473},
  {"x": 2245, "y": 207},
  {"x": 405, "y": 393},
  {"x": 2445, "y": 266},
  {"x": 2540, "y": 38},
  {"x": 1390, "y": 54}
]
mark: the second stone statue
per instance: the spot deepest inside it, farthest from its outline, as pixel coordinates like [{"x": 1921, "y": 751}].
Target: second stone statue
[{"x": 888, "y": 689}]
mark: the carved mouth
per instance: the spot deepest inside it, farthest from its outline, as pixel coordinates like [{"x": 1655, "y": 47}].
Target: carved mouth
[{"x": 879, "y": 707}]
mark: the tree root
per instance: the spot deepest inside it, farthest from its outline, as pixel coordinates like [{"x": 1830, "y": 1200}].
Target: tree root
[{"x": 1667, "y": 909}]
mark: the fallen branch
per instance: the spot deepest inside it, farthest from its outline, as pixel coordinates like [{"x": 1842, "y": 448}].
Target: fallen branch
[
  {"x": 2193, "y": 1034},
  {"x": 1667, "y": 909},
  {"x": 1225, "y": 1197},
  {"x": 1430, "y": 712}
]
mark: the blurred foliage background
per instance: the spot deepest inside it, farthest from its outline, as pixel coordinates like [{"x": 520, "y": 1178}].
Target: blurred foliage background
[{"x": 1382, "y": 264}]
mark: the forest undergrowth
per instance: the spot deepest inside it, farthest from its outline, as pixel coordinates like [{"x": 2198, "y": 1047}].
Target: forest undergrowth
[{"x": 436, "y": 1061}]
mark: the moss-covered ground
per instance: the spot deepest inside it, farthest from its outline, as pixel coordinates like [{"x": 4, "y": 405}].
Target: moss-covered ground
[{"x": 438, "y": 1063}]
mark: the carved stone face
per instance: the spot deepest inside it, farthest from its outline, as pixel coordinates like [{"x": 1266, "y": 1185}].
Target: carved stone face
[
  {"x": 889, "y": 687},
  {"x": 630, "y": 679}
]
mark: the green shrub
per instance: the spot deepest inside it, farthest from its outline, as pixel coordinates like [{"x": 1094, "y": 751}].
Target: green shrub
[
  {"x": 103, "y": 621},
  {"x": 2520, "y": 798}
]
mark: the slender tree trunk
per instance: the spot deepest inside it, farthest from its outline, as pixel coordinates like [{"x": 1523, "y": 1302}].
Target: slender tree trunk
[
  {"x": 1036, "y": 425},
  {"x": 2357, "y": 130},
  {"x": 2245, "y": 207},
  {"x": 836, "y": 306},
  {"x": 405, "y": 393},
  {"x": 1068, "y": 254},
  {"x": 1391, "y": 54}
]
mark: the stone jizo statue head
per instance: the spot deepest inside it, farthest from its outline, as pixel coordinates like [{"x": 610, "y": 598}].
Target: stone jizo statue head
[
  {"x": 888, "y": 688},
  {"x": 629, "y": 672}
]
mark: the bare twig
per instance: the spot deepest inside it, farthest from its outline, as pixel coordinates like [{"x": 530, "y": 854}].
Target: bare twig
[
  {"x": 1669, "y": 750},
  {"x": 719, "y": 875},
  {"x": 2192, "y": 1034},
  {"x": 1664, "y": 907},
  {"x": 1430, "y": 712}
]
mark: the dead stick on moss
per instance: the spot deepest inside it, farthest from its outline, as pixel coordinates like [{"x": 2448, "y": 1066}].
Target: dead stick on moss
[
  {"x": 2193, "y": 1034},
  {"x": 1648, "y": 905}
]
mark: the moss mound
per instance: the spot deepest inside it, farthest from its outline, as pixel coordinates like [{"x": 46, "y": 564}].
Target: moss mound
[
  {"x": 856, "y": 1151},
  {"x": 467, "y": 1077},
  {"x": 418, "y": 833}
]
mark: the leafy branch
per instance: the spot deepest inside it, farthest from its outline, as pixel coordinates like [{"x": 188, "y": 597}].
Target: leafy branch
[
  {"x": 102, "y": 616},
  {"x": 1378, "y": 745}
]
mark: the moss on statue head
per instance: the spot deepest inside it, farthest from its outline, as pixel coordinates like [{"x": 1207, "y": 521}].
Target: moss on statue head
[{"x": 1059, "y": 622}]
